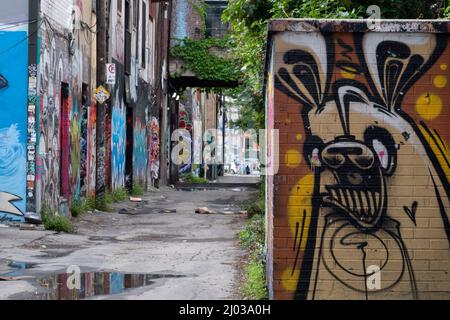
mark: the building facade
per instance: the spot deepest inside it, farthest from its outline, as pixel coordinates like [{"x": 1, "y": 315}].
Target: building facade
[{"x": 48, "y": 81}]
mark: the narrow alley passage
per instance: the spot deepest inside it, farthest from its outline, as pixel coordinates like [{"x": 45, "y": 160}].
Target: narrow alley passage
[{"x": 161, "y": 247}]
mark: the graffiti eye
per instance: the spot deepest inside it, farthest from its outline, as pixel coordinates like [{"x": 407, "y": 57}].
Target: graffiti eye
[
  {"x": 363, "y": 161},
  {"x": 382, "y": 153},
  {"x": 334, "y": 160},
  {"x": 312, "y": 149},
  {"x": 383, "y": 145}
]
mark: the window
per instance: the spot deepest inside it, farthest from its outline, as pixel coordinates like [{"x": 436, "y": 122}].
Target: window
[
  {"x": 214, "y": 25},
  {"x": 135, "y": 13},
  {"x": 127, "y": 37},
  {"x": 144, "y": 35}
]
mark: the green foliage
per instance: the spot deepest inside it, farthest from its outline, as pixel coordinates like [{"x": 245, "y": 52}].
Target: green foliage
[
  {"x": 249, "y": 19},
  {"x": 255, "y": 281},
  {"x": 200, "y": 9},
  {"x": 55, "y": 222},
  {"x": 118, "y": 195},
  {"x": 252, "y": 238},
  {"x": 78, "y": 207},
  {"x": 401, "y": 9},
  {"x": 190, "y": 178},
  {"x": 447, "y": 10},
  {"x": 198, "y": 57},
  {"x": 138, "y": 190},
  {"x": 91, "y": 203},
  {"x": 102, "y": 203}
]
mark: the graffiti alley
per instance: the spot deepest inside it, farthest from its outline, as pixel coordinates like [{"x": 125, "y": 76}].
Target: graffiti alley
[
  {"x": 224, "y": 149},
  {"x": 165, "y": 249}
]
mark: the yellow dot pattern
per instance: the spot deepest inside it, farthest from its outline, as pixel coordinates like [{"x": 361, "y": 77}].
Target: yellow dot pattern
[
  {"x": 440, "y": 81},
  {"x": 293, "y": 158},
  {"x": 429, "y": 106}
]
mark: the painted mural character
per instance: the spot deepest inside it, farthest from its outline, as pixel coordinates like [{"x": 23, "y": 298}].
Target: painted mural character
[
  {"x": 378, "y": 174},
  {"x": 11, "y": 152}
]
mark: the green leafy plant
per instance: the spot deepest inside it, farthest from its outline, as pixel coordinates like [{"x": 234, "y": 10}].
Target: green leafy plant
[
  {"x": 54, "y": 222},
  {"x": 138, "y": 190},
  {"x": 78, "y": 207},
  {"x": 199, "y": 57},
  {"x": 255, "y": 281},
  {"x": 91, "y": 203},
  {"x": 190, "y": 178},
  {"x": 252, "y": 238}
]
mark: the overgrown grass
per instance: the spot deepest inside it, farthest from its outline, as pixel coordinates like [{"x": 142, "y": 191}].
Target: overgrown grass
[
  {"x": 82, "y": 206},
  {"x": 252, "y": 238},
  {"x": 54, "y": 222},
  {"x": 190, "y": 178},
  {"x": 255, "y": 281},
  {"x": 116, "y": 196},
  {"x": 138, "y": 190}
]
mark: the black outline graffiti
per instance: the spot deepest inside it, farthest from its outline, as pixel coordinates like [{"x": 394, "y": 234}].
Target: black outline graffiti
[
  {"x": 3, "y": 82},
  {"x": 349, "y": 155}
]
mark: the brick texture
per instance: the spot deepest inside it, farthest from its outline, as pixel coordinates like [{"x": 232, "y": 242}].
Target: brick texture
[{"x": 359, "y": 206}]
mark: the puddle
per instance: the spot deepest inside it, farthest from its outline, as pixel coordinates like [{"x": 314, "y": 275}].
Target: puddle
[
  {"x": 21, "y": 265},
  {"x": 91, "y": 284}
]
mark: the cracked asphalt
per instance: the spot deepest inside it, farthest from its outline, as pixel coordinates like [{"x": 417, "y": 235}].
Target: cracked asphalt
[{"x": 187, "y": 255}]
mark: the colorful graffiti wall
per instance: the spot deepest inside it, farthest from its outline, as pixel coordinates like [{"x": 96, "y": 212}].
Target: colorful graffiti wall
[
  {"x": 154, "y": 148},
  {"x": 361, "y": 200},
  {"x": 118, "y": 134},
  {"x": 13, "y": 124}
]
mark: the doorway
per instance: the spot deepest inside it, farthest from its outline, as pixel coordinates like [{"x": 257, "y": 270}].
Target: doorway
[
  {"x": 129, "y": 150},
  {"x": 64, "y": 142},
  {"x": 84, "y": 140}
]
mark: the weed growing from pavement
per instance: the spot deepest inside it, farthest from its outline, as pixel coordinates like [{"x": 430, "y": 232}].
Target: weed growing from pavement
[
  {"x": 138, "y": 190},
  {"x": 78, "y": 207},
  {"x": 190, "y": 178},
  {"x": 116, "y": 196},
  {"x": 55, "y": 222},
  {"x": 252, "y": 238}
]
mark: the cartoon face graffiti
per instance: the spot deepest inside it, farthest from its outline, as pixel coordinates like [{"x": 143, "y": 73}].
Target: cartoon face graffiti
[{"x": 361, "y": 145}]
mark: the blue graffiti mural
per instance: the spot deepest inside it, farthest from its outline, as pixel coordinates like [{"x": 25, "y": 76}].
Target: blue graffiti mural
[
  {"x": 118, "y": 145},
  {"x": 13, "y": 124},
  {"x": 140, "y": 151}
]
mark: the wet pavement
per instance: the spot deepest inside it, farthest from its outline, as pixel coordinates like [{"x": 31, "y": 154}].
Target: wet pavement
[{"x": 158, "y": 249}]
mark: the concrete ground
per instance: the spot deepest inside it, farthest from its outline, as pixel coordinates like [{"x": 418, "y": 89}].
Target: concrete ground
[{"x": 186, "y": 255}]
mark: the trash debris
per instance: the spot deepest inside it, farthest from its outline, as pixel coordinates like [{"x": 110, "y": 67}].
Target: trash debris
[
  {"x": 204, "y": 210},
  {"x": 228, "y": 213},
  {"x": 168, "y": 211},
  {"x": 3, "y": 226},
  {"x": 133, "y": 199}
]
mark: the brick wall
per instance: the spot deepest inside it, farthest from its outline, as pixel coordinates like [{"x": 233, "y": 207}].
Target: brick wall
[{"x": 359, "y": 206}]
